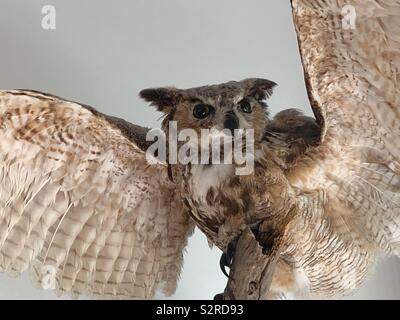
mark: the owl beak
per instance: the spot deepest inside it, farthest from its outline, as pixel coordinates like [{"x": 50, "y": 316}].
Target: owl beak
[{"x": 231, "y": 122}]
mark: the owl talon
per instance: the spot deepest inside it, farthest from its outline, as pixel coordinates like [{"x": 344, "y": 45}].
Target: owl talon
[
  {"x": 223, "y": 262},
  {"x": 219, "y": 296},
  {"x": 227, "y": 257}
]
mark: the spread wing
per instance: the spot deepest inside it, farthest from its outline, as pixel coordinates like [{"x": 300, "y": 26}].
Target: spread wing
[
  {"x": 80, "y": 205},
  {"x": 353, "y": 78}
]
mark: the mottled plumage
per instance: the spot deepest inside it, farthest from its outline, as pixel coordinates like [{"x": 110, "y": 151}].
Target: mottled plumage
[
  {"x": 77, "y": 193},
  {"x": 353, "y": 82},
  {"x": 79, "y": 196}
]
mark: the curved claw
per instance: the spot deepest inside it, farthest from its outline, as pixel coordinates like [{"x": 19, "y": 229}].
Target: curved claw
[
  {"x": 219, "y": 296},
  {"x": 227, "y": 257},
  {"x": 223, "y": 262}
]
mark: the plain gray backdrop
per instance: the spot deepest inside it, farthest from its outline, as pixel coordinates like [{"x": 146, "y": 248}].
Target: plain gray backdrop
[{"x": 103, "y": 52}]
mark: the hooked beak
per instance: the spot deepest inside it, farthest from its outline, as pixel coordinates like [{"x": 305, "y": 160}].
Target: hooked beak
[{"x": 231, "y": 122}]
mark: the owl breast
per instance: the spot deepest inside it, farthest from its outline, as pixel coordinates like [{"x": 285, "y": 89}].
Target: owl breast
[{"x": 212, "y": 197}]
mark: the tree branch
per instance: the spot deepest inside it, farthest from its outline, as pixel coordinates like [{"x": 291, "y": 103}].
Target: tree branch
[{"x": 253, "y": 266}]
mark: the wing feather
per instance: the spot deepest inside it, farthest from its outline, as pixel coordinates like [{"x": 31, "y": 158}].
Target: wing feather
[
  {"x": 352, "y": 78},
  {"x": 80, "y": 204}
]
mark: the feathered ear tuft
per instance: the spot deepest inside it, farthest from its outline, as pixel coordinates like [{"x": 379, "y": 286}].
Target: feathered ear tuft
[
  {"x": 257, "y": 88},
  {"x": 162, "y": 98}
]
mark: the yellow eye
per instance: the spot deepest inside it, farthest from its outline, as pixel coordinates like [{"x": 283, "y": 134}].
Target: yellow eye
[
  {"x": 245, "y": 106},
  {"x": 202, "y": 111}
]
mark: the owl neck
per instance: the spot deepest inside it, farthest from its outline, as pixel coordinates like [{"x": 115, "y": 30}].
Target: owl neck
[{"x": 266, "y": 180}]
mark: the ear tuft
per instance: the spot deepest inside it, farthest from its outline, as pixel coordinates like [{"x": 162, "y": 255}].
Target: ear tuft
[
  {"x": 162, "y": 98},
  {"x": 258, "y": 88}
]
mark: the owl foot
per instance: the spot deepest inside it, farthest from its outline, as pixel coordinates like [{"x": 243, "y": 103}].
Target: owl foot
[
  {"x": 219, "y": 296},
  {"x": 227, "y": 257}
]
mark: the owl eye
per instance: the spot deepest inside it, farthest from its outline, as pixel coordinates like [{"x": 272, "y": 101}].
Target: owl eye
[
  {"x": 245, "y": 106},
  {"x": 202, "y": 111}
]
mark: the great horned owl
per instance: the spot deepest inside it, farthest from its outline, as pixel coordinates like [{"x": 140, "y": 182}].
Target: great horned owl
[{"x": 78, "y": 195}]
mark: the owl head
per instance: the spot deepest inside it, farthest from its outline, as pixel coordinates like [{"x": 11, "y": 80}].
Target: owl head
[{"x": 232, "y": 105}]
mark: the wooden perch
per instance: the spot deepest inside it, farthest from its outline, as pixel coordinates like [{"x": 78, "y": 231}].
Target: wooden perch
[{"x": 253, "y": 266}]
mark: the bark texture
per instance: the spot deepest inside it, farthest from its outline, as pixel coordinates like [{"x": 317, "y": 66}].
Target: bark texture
[{"x": 253, "y": 265}]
